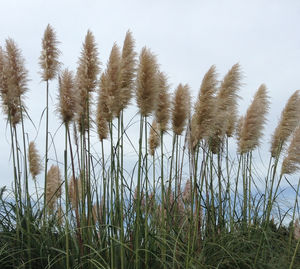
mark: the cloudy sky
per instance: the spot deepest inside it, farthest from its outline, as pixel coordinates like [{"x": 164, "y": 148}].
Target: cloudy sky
[{"x": 187, "y": 37}]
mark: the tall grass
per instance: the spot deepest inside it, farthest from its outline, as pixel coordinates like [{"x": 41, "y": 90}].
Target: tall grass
[{"x": 182, "y": 192}]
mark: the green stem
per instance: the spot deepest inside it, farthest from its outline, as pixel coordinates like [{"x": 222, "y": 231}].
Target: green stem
[
  {"x": 67, "y": 197},
  {"x": 46, "y": 147},
  {"x": 163, "y": 249},
  {"x": 137, "y": 224}
]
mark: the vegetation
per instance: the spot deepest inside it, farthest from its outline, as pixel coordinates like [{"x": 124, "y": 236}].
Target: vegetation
[{"x": 187, "y": 202}]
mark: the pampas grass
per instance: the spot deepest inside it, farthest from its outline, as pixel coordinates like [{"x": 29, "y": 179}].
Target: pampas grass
[
  {"x": 289, "y": 120},
  {"x": 117, "y": 201},
  {"x": 34, "y": 159},
  {"x": 147, "y": 84},
  {"x": 205, "y": 107},
  {"x": 180, "y": 108},
  {"x": 53, "y": 188},
  {"x": 254, "y": 121},
  {"x": 163, "y": 108}
]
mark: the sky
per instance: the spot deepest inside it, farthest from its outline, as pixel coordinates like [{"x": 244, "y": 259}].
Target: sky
[{"x": 187, "y": 37}]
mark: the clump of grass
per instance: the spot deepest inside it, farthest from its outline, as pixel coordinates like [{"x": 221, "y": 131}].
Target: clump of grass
[{"x": 186, "y": 203}]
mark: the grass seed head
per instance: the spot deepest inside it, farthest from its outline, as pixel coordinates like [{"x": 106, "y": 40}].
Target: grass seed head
[
  {"x": 180, "y": 108},
  {"x": 289, "y": 120},
  {"x": 53, "y": 187},
  {"x": 112, "y": 83},
  {"x": 162, "y": 112},
  {"x": 254, "y": 121},
  {"x": 49, "y": 56},
  {"x": 226, "y": 102},
  {"x": 16, "y": 79},
  {"x": 67, "y": 97},
  {"x": 291, "y": 163},
  {"x": 35, "y": 166},
  {"x": 147, "y": 83},
  {"x": 127, "y": 71},
  {"x": 205, "y": 107}
]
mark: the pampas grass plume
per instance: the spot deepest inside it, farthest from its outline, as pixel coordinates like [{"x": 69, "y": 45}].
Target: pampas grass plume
[
  {"x": 112, "y": 76},
  {"x": 86, "y": 78},
  {"x": 162, "y": 112},
  {"x": 180, "y": 108},
  {"x": 49, "y": 56},
  {"x": 67, "y": 100},
  {"x": 147, "y": 88},
  {"x": 88, "y": 64},
  {"x": 34, "y": 160},
  {"x": 291, "y": 162},
  {"x": 53, "y": 187},
  {"x": 226, "y": 102},
  {"x": 16, "y": 75},
  {"x": 288, "y": 122},
  {"x": 254, "y": 121},
  {"x": 127, "y": 71},
  {"x": 205, "y": 108}
]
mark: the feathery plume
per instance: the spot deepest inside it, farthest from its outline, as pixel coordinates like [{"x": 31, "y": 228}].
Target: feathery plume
[
  {"x": 88, "y": 64},
  {"x": 205, "y": 108},
  {"x": 154, "y": 140},
  {"x": 254, "y": 121},
  {"x": 147, "y": 90},
  {"x": 4, "y": 93},
  {"x": 74, "y": 189},
  {"x": 180, "y": 108},
  {"x": 67, "y": 101},
  {"x": 16, "y": 75},
  {"x": 226, "y": 102},
  {"x": 112, "y": 76},
  {"x": 288, "y": 122},
  {"x": 86, "y": 78},
  {"x": 49, "y": 56},
  {"x": 291, "y": 162},
  {"x": 53, "y": 188},
  {"x": 34, "y": 160},
  {"x": 127, "y": 71},
  {"x": 162, "y": 112}
]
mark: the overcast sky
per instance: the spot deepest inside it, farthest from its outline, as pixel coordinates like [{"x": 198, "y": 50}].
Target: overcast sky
[{"x": 187, "y": 36}]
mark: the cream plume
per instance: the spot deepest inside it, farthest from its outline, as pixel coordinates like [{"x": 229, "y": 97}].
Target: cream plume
[
  {"x": 34, "y": 160},
  {"x": 112, "y": 80},
  {"x": 226, "y": 102},
  {"x": 288, "y": 122},
  {"x": 291, "y": 163},
  {"x": 180, "y": 108},
  {"x": 49, "y": 56},
  {"x": 205, "y": 108},
  {"x": 53, "y": 187},
  {"x": 254, "y": 121},
  {"x": 16, "y": 75},
  {"x": 162, "y": 112},
  {"x": 67, "y": 97},
  {"x": 127, "y": 71},
  {"x": 86, "y": 78},
  {"x": 146, "y": 89}
]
